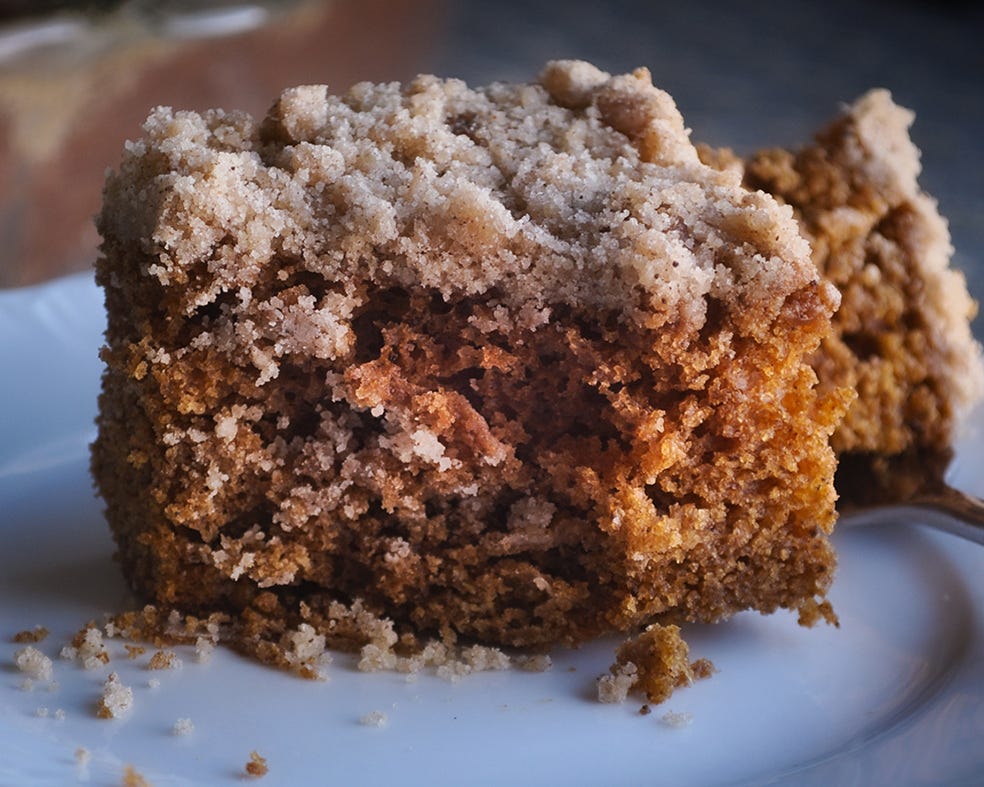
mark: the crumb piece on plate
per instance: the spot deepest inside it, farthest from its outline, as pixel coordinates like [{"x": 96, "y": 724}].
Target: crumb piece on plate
[
  {"x": 257, "y": 766},
  {"x": 134, "y": 651},
  {"x": 204, "y": 648},
  {"x": 676, "y": 719},
  {"x": 116, "y": 698},
  {"x": 37, "y": 634},
  {"x": 59, "y": 714},
  {"x": 133, "y": 778},
  {"x": 533, "y": 662},
  {"x": 88, "y": 648},
  {"x": 164, "y": 659},
  {"x": 654, "y": 662},
  {"x": 376, "y": 718},
  {"x": 183, "y": 726},
  {"x": 41, "y": 712},
  {"x": 33, "y": 663}
]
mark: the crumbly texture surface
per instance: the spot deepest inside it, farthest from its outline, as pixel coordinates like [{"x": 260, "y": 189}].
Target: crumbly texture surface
[
  {"x": 654, "y": 663},
  {"x": 506, "y": 364},
  {"x": 901, "y": 337}
]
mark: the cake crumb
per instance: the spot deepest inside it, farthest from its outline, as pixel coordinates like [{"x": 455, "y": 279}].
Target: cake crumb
[
  {"x": 645, "y": 710},
  {"x": 26, "y": 685},
  {"x": 374, "y": 718},
  {"x": 164, "y": 659},
  {"x": 204, "y": 648},
  {"x": 183, "y": 727},
  {"x": 676, "y": 719},
  {"x": 116, "y": 698},
  {"x": 59, "y": 714},
  {"x": 257, "y": 766},
  {"x": 88, "y": 648},
  {"x": 34, "y": 663},
  {"x": 615, "y": 687},
  {"x": 537, "y": 662},
  {"x": 37, "y": 634},
  {"x": 134, "y": 651},
  {"x": 133, "y": 778},
  {"x": 41, "y": 712},
  {"x": 82, "y": 756},
  {"x": 654, "y": 662},
  {"x": 153, "y": 683}
]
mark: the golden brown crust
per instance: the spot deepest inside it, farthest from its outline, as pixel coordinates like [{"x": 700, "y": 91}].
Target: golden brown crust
[{"x": 510, "y": 364}]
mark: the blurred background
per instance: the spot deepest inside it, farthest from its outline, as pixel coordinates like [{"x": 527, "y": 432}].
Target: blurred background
[{"x": 78, "y": 78}]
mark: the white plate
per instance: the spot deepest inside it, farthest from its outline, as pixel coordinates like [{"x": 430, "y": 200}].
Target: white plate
[{"x": 894, "y": 696}]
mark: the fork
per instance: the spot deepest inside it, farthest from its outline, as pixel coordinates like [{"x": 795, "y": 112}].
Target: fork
[{"x": 941, "y": 507}]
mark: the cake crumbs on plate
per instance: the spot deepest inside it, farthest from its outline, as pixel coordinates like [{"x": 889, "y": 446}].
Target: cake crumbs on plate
[
  {"x": 183, "y": 726},
  {"x": 676, "y": 719},
  {"x": 87, "y": 648},
  {"x": 376, "y": 718},
  {"x": 37, "y": 634},
  {"x": 133, "y": 778},
  {"x": 33, "y": 663},
  {"x": 654, "y": 663},
  {"x": 116, "y": 698},
  {"x": 164, "y": 659},
  {"x": 134, "y": 651},
  {"x": 257, "y": 766}
]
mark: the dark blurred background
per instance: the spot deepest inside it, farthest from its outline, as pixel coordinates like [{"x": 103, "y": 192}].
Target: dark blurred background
[{"x": 745, "y": 74}]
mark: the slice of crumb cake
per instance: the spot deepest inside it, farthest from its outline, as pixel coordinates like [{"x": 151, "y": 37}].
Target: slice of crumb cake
[
  {"x": 507, "y": 363},
  {"x": 901, "y": 337}
]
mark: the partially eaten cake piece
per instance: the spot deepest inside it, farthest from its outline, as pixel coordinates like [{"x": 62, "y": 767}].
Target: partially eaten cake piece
[
  {"x": 506, "y": 364},
  {"x": 901, "y": 337}
]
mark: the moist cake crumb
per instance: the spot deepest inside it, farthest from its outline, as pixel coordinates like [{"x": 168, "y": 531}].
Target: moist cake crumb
[
  {"x": 653, "y": 663},
  {"x": 204, "y": 648},
  {"x": 533, "y": 662},
  {"x": 87, "y": 648},
  {"x": 257, "y": 766},
  {"x": 134, "y": 651},
  {"x": 164, "y": 659},
  {"x": 376, "y": 718},
  {"x": 183, "y": 726},
  {"x": 676, "y": 719},
  {"x": 37, "y": 634},
  {"x": 33, "y": 663},
  {"x": 116, "y": 698},
  {"x": 133, "y": 778},
  {"x": 424, "y": 367}
]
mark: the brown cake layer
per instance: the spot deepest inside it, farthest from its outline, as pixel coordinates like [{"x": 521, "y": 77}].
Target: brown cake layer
[
  {"x": 509, "y": 363},
  {"x": 901, "y": 337}
]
